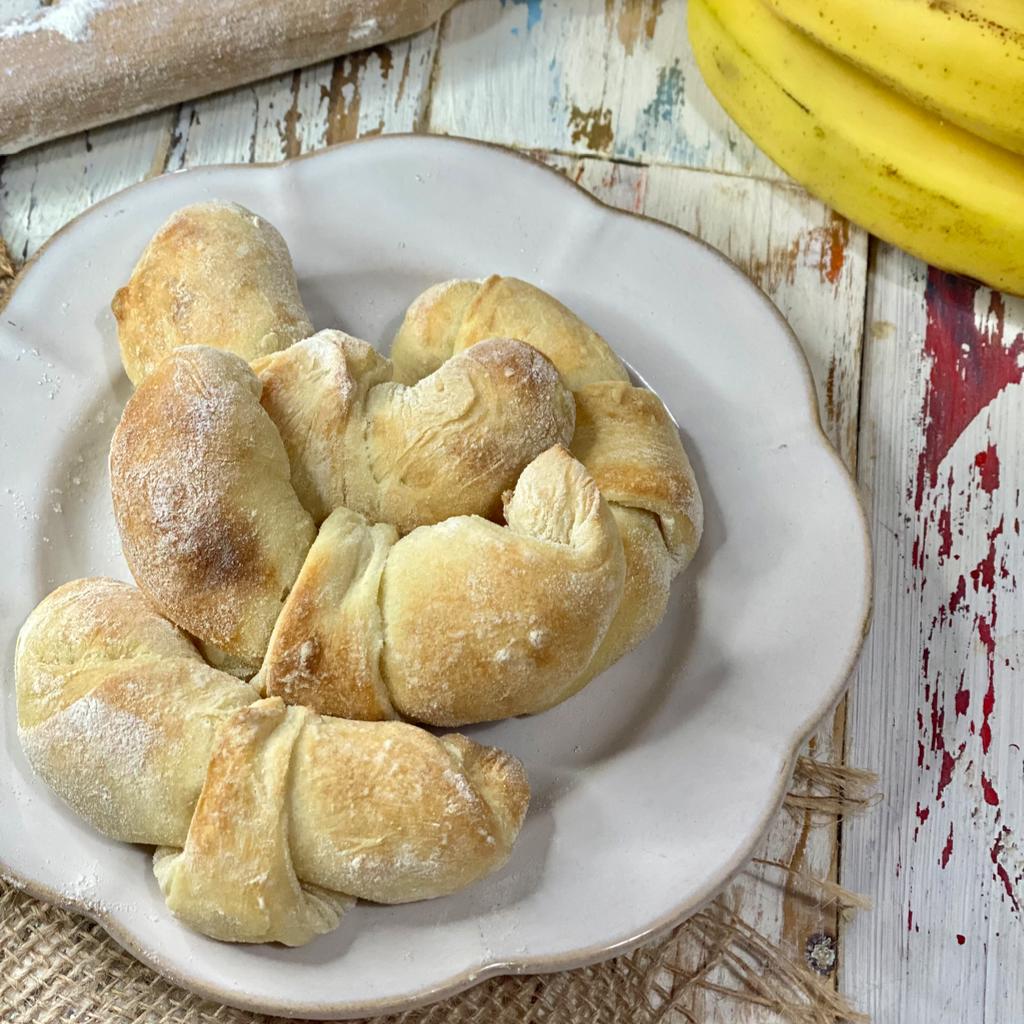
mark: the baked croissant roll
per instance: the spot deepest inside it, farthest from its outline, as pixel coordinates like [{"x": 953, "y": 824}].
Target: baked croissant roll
[
  {"x": 268, "y": 818},
  {"x": 498, "y": 512},
  {"x": 210, "y": 510},
  {"x": 450, "y": 317},
  {"x": 623, "y": 435},
  {"x": 459, "y": 622},
  {"x": 215, "y": 274}
]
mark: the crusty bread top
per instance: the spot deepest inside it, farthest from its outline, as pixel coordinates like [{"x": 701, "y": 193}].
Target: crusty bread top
[
  {"x": 450, "y": 317},
  {"x": 215, "y": 274},
  {"x": 211, "y": 527},
  {"x": 257, "y": 801},
  {"x": 483, "y": 621},
  {"x": 411, "y": 455}
]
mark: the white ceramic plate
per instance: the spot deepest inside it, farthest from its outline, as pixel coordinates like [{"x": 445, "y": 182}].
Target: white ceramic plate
[{"x": 649, "y": 788}]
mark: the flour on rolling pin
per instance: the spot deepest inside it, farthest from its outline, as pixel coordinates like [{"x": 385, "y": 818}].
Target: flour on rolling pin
[{"x": 81, "y": 63}]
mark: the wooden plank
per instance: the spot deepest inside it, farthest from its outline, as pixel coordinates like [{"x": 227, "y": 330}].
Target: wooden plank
[
  {"x": 383, "y": 89},
  {"x": 44, "y": 187},
  {"x": 813, "y": 265},
  {"x": 263, "y": 122},
  {"x": 938, "y": 704},
  {"x": 613, "y": 78},
  {"x": 376, "y": 90}
]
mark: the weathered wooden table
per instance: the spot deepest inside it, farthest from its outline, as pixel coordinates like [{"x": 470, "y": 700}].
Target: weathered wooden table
[{"x": 919, "y": 379}]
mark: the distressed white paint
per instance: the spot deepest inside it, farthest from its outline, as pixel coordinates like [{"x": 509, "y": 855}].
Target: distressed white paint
[
  {"x": 42, "y": 188},
  {"x": 928, "y": 856},
  {"x": 607, "y": 77},
  {"x": 251, "y": 123},
  {"x": 542, "y": 75},
  {"x": 383, "y": 89}
]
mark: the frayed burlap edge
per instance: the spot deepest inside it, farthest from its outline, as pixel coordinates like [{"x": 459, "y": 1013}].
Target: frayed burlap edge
[
  {"x": 7, "y": 273},
  {"x": 58, "y": 967}
]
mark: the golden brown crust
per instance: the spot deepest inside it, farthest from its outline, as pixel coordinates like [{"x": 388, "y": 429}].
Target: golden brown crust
[
  {"x": 121, "y": 716},
  {"x": 649, "y": 572},
  {"x": 453, "y": 443},
  {"x": 315, "y": 393},
  {"x": 410, "y": 456},
  {"x": 449, "y": 318},
  {"x": 215, "y": 274},
  {"x": 211, "y": 527},
  {"x": 426, "y": 338},
  {"x": 628, "y": 441},
  {"x": 234, "y": 880},
  {"x": 326, "y": 647},
  {"x": 103, "y": 683},
  {"x": 525, "y": 606}
]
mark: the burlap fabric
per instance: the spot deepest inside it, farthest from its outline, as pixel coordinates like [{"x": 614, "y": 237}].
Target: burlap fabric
[{"x": 58, "y": 967}]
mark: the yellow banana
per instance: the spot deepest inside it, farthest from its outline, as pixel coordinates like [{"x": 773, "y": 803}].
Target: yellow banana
[
  {"x": 925, "y": 185},
  {"x": 963, "y": 59}
]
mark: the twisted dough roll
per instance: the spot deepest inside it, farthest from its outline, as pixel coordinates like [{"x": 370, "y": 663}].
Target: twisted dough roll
[
  {"x": 411, "y": 455},
  {"x": 215, "y": 274},
  {"x": 463, "y": 621},
  {"x": 265, "y": 815},
  {"x": 211, "y": 514},
  {"x": 414, "y": 600},
  {"x": 447, "y": 318},
  {"x": 624, "y": 436}
]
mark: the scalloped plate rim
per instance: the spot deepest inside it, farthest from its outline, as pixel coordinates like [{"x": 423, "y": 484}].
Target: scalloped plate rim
[{"x": 466, "y": 978}]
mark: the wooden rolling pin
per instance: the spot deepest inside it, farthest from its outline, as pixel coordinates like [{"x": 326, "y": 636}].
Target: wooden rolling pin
[{"x": 81, "y": 63}]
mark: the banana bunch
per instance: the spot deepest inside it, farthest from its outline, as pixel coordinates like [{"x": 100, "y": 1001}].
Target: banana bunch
[{"x": 907, "y": 116}]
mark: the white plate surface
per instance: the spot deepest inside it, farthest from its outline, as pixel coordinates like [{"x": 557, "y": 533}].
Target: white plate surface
[{"x": 650, "y": 787}]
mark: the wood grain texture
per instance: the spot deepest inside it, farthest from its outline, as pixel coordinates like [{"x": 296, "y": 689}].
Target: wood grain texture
[
  {"x": 87, "y": 66},
  {"x": 44, "y": 187},
  {"x": 813, "y": 265},
  {"x": 607, "y": 92},
  {"x": 938, "y": 702},
  {"x": 611, "y": 78}
]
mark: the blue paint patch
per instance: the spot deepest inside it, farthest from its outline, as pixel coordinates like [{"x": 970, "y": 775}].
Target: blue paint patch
[
  {"x": 533, "y": 12},
  {"x": 666, "y": 95}
]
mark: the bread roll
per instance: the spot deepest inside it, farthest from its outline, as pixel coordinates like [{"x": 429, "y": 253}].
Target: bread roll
[
  {"x": 483, "y": 621},
  {"x": 267, "y": 814},
  {"x": 210, "y": 524},
  {"x": 449, "y": 318},
  {"x": 410, "y": 456},
  {"x": 326, "y": 648},
  {"x": 215, "y": 274}
]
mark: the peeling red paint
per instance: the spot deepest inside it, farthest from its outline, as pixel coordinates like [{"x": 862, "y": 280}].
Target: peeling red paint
[
  {"x": 969, "y": 367},
  {"x": 938, "y": 720},
  {"x": 947, "y": 850},
  {"x": 910, "y": 920},
  {"x": 970, "y": 361},
  {"x": 945, "y": 533},
  {"x": 988, "y": 464},
  {"x": 961, "y": 939},
  {"x": 984, "y": 574},
  {"x": 962, "y": 699},
  {"x": 988, "y": 702},
  {"x": 1001, "y": 873},
  {"x": 989, "y": 791},
  {"x": 945, "y": 773}
]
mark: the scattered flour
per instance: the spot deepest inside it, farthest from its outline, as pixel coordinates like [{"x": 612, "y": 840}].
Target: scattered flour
[{"x": 69, "y": 18}]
